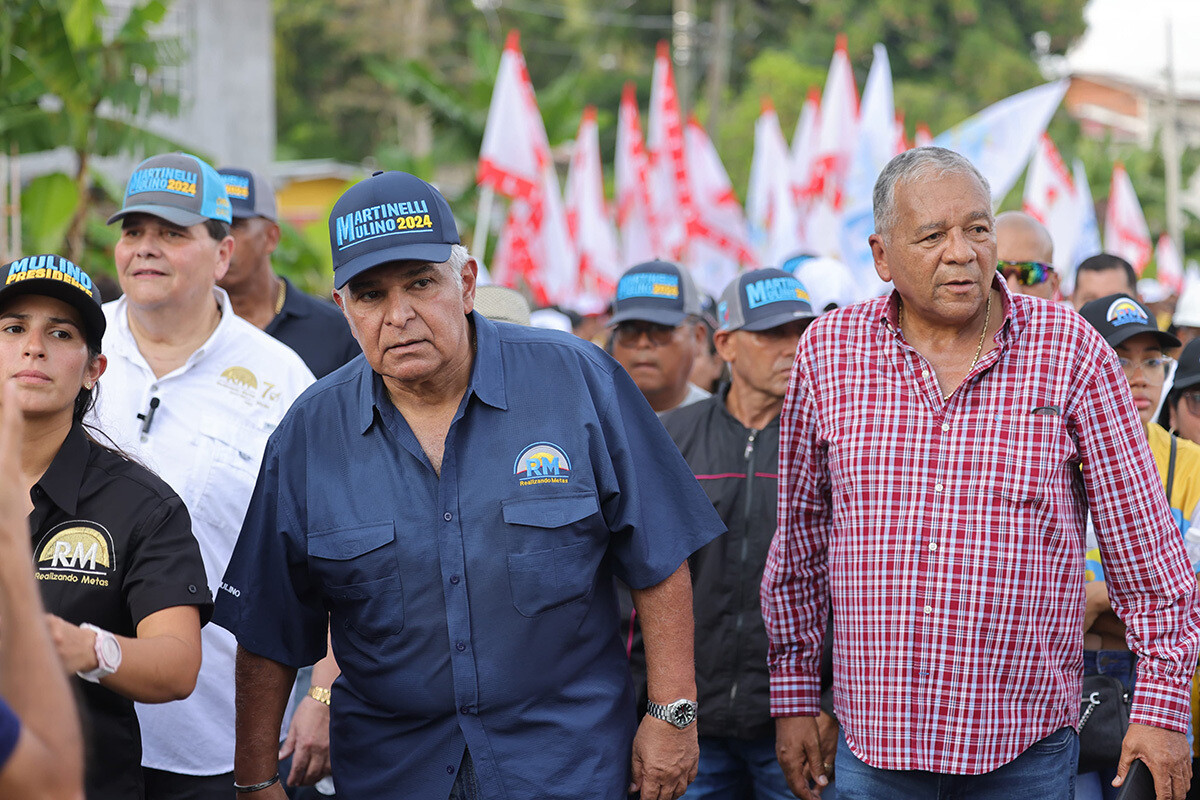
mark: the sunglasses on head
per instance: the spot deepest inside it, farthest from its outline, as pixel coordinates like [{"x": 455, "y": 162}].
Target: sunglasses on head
[{"x": 1028, "y": 273}]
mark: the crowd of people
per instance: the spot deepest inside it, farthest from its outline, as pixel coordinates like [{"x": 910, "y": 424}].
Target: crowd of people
[{"x": 408, "y": 544}]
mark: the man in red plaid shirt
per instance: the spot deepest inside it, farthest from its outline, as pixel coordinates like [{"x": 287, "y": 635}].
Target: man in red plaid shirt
[{"x": 939, "y": 451}]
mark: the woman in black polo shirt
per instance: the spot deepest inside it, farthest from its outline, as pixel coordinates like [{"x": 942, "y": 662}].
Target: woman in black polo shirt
[{"x": 120, "y": 572}]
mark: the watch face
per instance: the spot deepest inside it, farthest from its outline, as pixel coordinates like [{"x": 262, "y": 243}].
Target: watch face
[
  {"x": 111, "y": 650},
  {"x": 682, "y": 714}
]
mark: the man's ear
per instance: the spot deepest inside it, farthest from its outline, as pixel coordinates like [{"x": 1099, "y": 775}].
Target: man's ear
[{"x": 879, "y": 254}]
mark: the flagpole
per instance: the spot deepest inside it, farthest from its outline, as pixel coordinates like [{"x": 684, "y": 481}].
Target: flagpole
[
  {"x": 1170, "y": 146},
  {"x": 483, "y": 218}
]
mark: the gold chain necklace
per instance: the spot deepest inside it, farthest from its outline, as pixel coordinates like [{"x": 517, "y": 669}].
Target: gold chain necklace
[
  {"x": 987, "y": 315},
  {"x": 281, "y": 295}
]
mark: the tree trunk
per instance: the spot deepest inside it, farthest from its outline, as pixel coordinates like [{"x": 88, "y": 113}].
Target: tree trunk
[{"x": 79, "y": 218}]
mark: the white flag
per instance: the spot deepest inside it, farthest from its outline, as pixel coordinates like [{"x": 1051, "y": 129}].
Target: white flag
[
  {"x": 1000, "y": 139},
  {"x": 824, "y": 204},
  {"x": 770, "y": 202},
  {"x": 1051, "y": 199},
  {"x": 668, "y": 167},
  {"x": 1125, "y": 231},
  {"x": 1170, "y": 264},
  {"x": 515, "y": 161},
  {"x": 635, "y": 217},
  {"x": 716, "y": 228},
  {"x": 588, "y": 220}
]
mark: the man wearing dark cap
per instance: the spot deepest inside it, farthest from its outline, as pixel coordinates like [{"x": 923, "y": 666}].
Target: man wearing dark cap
[
  {"x": 313, "y": 328},
  {"x": 731, "y": 442},
  {"x": 657, "y": 332},
  {"x": 458, "y": 503},
  {"x": 192, "y": 391}
]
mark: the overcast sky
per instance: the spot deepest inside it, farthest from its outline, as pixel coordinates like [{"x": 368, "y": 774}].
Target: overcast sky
[{"x": 1128, "y": 38}]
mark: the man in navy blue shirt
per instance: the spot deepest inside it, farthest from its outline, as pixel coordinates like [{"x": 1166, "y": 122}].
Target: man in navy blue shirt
[
  {"x": 458, "y": 503},
  {"x": 310, "y": 326}
]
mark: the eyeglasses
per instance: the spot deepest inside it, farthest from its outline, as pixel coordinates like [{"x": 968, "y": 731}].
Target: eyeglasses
[
  {"x": 628, "y": 334},
  {"x": 1155, "y": 369},
  {"x": 1028, "y": 273},
  {"x": 1193, "y": 403}
]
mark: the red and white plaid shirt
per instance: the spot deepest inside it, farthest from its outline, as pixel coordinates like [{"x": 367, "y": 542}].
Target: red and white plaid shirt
[{"x": 950, "y": 535}]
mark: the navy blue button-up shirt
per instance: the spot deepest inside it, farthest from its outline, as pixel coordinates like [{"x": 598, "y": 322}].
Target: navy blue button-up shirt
[{"x": 475, "y": 610}]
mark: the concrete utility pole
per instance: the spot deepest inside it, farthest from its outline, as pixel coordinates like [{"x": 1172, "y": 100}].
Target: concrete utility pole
[
  {"x": 718, "y": 67},
  {"x": 1170, "y": 148},
  {"x": 683, "y": 23}
]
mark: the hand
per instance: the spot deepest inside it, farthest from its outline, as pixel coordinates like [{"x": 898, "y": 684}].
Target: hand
[
  {"x": 665, "y": 759},
  {"x": 829, "y": 733},
  {"x": 76, "y": 646},
  {"x": 307, "y": 743},
  {"x": 1167, "y": 755},
  {"x": 798, "y": 748}
]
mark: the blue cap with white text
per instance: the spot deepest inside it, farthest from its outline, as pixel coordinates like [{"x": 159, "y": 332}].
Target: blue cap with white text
[
  {"x": 762, "y": 299},
  {"x": 391, "y": 216}
]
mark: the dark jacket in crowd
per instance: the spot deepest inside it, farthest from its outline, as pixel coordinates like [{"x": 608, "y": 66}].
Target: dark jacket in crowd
[{"x": 738, "y": 468}]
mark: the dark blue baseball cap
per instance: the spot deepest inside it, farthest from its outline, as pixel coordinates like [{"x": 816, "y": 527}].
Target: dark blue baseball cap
[
  {"x": 656, "y": 291},
  {"x": 762, "y": 299},
  {"x": 391, "y": 216},
  {"x": 55, "y": 276}
]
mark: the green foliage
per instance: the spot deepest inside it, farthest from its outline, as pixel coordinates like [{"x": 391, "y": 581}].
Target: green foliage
[
  {"x": 64, "y": 82},
  {"x": 51, "y": 201}
]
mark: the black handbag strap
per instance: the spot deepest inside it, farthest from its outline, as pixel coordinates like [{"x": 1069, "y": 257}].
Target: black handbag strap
[{"x": 1171, "y": 469}]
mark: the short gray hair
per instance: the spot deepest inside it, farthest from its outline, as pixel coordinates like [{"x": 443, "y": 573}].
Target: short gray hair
[
  {"x": 920, "y": 162},
  {"x": 457, "y": 260}
]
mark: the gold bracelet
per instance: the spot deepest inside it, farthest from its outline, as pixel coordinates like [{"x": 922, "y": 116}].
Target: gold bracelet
[{"x": 320, "y": 694}]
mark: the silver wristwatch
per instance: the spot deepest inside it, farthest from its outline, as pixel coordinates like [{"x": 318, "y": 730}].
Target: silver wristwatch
[
  {"x": 681, "y": 713},
  {"x": 108, "y": 654}
]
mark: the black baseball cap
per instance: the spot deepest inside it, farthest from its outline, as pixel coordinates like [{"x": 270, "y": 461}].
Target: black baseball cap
[
  {"x": 763, "y": 299},
  {"x": 1187, "y": 370},
  {"x": 250, "y": 193},
  {"x": 1119, "y": 317},
  {"x": 55, "y": 276},
  {"x": 391, "y": 216},
  {"x": 656, "y": 291}
]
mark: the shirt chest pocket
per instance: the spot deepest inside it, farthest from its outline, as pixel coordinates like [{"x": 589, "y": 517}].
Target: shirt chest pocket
[
  {"x": 358, "y": 573},
  {"x": 552, "y": 550},
  {"x": 1032, "y": 450}
]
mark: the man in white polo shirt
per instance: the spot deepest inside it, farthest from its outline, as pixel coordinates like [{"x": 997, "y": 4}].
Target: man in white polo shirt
[{"x": 192, "y": 391}]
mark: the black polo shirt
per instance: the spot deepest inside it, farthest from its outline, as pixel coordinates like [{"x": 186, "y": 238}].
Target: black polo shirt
[
  {"x": 112, "y": 544},
  {"x": 315, "y": 329}
]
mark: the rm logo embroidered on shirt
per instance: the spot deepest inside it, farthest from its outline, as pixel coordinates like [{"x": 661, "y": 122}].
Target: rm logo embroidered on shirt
[
  {"x": 78, "y": 551},
  {"x": 542, "y": 462}
]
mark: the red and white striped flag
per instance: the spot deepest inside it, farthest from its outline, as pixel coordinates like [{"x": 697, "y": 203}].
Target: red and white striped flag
[
  {"x": 669, "y": 192},
  {"x": 635, "y": 213},
  {"x": 717, "y": 241},
  {"x": 803, "y": 157},
  {"x": 1125, "y": 231},
  {"x": 588, "y": 220},
  {"x": 515, "y": 162},
  {"x": 836, "y": 138},
  {"x": 1170, "y": 264}
]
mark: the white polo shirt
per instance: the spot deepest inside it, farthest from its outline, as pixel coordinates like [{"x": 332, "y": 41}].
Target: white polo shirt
[{"x": 206, "y": 439}]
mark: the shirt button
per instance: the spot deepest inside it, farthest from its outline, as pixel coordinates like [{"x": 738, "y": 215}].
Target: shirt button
[
  {"x": 192, "y": 588},
  {"x": 464, "y": 710},
  {"x": 928, "y": 609},
  {"x": 154, "y": 388},
  {"x": 945, "y": 427},
  {"x": 932, "y": 546},
  {"x": 454, "y": 579},
  {"x": 461, "y": 647},
  {"x": 449, "y": 770},
  {"x": 447, "y": 516},
  {"x": 937, "y": 487},
  {"x": 924, "y": 373}
]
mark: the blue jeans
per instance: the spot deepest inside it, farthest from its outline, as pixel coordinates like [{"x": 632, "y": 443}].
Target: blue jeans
[
  {"x": 1046, "y": 771},
  {"x": 739, "y": 769}
]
